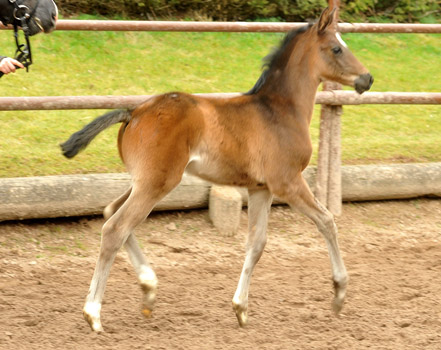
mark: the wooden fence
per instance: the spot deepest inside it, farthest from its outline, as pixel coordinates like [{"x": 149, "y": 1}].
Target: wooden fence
[
  {"x": 332, "y": 98},
  {"x": 238, "y": 27},
  {"x": 328, "y": 185}
]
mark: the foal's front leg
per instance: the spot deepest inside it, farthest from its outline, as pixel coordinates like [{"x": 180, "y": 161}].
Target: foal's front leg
[
  {"x": 259, "y": 204},
  {"x": 300, "y": 197}
]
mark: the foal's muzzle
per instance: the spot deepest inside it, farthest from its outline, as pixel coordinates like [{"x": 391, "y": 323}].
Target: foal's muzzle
[{"x": 363, "y": 83}]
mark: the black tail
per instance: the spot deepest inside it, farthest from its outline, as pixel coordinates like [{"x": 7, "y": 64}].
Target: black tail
[{"x": 79, "y": 140}]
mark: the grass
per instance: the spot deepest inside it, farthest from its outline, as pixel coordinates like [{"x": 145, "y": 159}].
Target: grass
[
  {"x": 126, "y": 63},
  {"x": 400, "y": 62}
]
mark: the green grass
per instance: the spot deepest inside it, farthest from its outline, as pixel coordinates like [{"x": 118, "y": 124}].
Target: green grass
[
  {"x": 130, "y": 63},
  {"x": 395, "y": 133}
]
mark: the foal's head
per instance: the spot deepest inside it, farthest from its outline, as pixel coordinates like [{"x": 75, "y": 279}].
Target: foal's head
[{"x": 333, "y": 60}]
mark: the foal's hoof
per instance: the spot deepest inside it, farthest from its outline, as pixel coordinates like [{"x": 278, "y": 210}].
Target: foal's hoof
[
  {"x": 241, "y": 314},
  {"x": 337, "y": 305},
  {"x": 146, "y": 312},
  {"x": 340, "y": 293},
  {"x": 149, "y": 286},
  {"x": 91, "y": 313},
  {"x": 148, "y": 300},
  {"x": 147, "y": 306}
]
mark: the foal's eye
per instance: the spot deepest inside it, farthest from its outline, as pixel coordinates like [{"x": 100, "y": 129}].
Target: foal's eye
[{"x": 337, "y": 50}]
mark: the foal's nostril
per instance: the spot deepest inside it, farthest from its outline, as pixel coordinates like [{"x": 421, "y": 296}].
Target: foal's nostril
[
  {"x": 363, "y": 83},
  {"x": 370, "y": 79},
  {"x": 367, "y": 79}
]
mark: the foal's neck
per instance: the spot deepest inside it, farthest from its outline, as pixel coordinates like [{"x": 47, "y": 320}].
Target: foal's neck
[
  {"x": 302, "y": 93},
  {"x": 296, "y": 89},
  {"x": 295, "y": 84}
]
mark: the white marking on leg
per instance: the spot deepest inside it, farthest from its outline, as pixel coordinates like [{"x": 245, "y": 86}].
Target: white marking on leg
[
  {"x": 92, "y": 308},
  {"x": 241, "y": 295},
  {"x": 115, "y": 232},
  {"x": 258, "y": 209},
  {"x": 92, "y": 311},
  {"x": 147, "y": 276},
  {"x": 149, "y": 285}
]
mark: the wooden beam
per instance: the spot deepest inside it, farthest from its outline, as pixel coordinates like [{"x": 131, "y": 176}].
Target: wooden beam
[
  {"x": 332, "y": 98},
  {"x": 77, "y": 195},
  {"x": 187, "y": 26}
]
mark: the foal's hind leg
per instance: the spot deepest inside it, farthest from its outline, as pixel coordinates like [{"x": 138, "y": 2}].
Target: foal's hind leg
[
  {"x": 116, "y": 231},
  {"x": 299, "y": 196},
  {"x": 146, "y": 276},
  {"x": 116, "y": 204},
  {"x": 259, "y": 203}
]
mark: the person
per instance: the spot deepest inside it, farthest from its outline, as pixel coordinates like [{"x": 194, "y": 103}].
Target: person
[
  {"x": 9, "y": 65},
  {"x": 44, "y": 17}
]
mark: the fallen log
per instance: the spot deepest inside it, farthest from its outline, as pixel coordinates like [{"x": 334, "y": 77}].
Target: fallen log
[
  {"x": 77, "y": 195},
  {"x": 396, "y": 181}
]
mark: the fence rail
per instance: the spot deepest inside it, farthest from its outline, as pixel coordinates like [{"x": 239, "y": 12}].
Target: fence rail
[
  {"x": 240, "y": 27},
  {"x": 328, "y": 184},
  {"x": 333, "y": 98}
]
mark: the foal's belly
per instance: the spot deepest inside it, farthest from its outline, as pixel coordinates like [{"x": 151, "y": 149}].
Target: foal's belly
[{"x": 222, "y": 173}]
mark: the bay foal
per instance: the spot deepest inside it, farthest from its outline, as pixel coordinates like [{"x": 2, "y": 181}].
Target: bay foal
[{"x": 259, "y": 140}]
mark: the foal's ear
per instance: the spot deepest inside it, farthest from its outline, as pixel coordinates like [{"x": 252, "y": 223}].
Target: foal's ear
[{"x": 326, "y": 19}]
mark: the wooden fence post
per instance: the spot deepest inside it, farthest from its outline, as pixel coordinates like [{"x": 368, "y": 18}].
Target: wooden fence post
[{"x": 328, "y": 183}]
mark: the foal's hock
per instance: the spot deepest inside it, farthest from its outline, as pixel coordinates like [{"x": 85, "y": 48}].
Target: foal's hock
[{"x": 259, "y": 140}]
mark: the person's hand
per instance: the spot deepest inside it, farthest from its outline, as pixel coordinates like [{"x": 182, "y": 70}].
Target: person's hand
[{"x": 8, "y": 65}]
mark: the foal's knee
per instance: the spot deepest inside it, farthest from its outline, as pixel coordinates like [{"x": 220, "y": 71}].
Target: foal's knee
[
  {"x": 258, "y": 248},
  {"x": 112, "y": 238},
  {"x": 326, "y": 224},
  {"x": 257, "y": 244}
]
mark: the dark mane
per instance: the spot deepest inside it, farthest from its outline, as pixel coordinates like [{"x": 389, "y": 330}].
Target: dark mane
[{"x": 271, "y": 60}]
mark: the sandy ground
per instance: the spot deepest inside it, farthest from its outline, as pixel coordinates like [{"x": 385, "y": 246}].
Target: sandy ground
[{"x": 391, "y": 249}]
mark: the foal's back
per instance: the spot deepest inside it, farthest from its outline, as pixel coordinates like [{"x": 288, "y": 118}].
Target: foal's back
[{"x": 237, "y": 141}]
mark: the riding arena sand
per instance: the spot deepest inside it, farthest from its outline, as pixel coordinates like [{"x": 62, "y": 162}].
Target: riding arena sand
[{"x": 391, "y": 250}]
